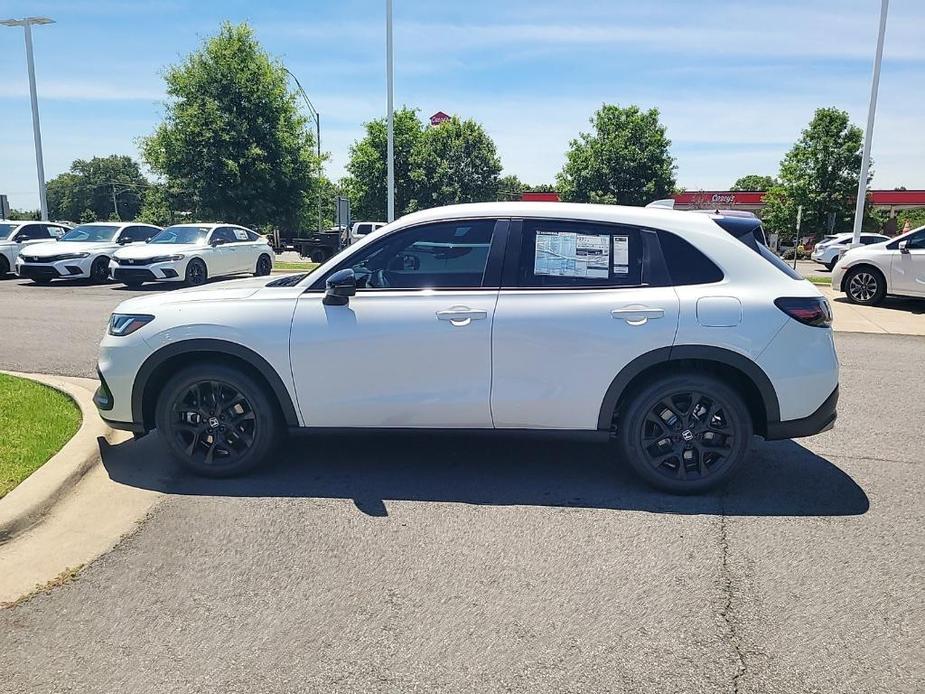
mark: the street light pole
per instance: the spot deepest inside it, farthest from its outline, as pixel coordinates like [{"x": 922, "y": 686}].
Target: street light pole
[
  {"x": 390, "y": 141},
  {"x": 314, "y": 113},
  {"x": 871, "y": 112},
  {"x": 26, "y": 24}
]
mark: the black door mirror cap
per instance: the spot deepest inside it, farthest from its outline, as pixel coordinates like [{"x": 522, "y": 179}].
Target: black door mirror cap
[{"x": 339, "y": 287}]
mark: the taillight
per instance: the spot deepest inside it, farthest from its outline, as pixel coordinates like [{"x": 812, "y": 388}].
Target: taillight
[{"x": 813, "y": 311}]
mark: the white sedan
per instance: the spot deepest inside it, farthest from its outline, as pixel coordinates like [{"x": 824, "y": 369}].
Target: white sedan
[
  {"x": 82, "y": 253},
  {"x": 831, "y": 248},
  {"x": 192, "y": 253},
  {"x": 17, "y": 235}
]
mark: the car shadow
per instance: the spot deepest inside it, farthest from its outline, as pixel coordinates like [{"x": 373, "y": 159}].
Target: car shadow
[
  {"x": 163, "y": 286},
  {"x": 782, "y": 478},
  {"x": 895, "y": 303}
]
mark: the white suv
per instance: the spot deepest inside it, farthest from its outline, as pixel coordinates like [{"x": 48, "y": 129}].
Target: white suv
[
  {"x": 673, "y": 333},
  {"x": 868, "y": 273},
  {"x": 830, "y": 248}
]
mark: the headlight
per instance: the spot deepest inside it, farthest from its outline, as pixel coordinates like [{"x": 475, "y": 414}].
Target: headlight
[
  {"x": 122, "y": 324},
  {"x": 71, "y": 256},
  {"x": 165, "y": 258}
]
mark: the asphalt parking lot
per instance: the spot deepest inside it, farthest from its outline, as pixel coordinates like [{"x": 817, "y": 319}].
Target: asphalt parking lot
[{"x": 463, "y": 564}]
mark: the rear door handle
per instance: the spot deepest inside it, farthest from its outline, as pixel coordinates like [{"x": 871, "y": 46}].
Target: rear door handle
[
  {"x": 461, "y": 315},
  {"x": 637, "y": 315}
]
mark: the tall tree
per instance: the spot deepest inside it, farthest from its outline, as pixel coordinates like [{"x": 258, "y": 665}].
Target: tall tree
[
  {"x": 455, "y": 161},
  {"x": 366, "y": 168},
  {"x": 820, "y": 173},
  {"x": 754, "y": 182},
  {"x": 624, "y": 160},
  {"x": 233, "y": 139},
  {"x": 86, "y": 191}
]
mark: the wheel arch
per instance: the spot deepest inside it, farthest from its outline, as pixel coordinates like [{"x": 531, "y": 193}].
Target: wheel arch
[
  {"x": 735, "y": 369},
  {"x": 166, "y": 361},
  {"x": 866, "y": 264}
]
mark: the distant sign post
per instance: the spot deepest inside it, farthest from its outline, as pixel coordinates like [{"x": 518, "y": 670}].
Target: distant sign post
[
  {"x": 343, "y": 212},
  {"x": 4, "y": 207}
]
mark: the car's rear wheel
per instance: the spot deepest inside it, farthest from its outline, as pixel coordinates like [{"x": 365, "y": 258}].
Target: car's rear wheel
[
  {"x": 865, "y": 286},
  {"x": 685, "y": 433},
  {"x": 196, "y": 273},
  {"x": 99, "y": 270},
  {"x": 216, "y": 420},
  {"x": 318, "y": 255},
  {"x": 4, "y": 266},
  {"x": 264, "y": 266}
]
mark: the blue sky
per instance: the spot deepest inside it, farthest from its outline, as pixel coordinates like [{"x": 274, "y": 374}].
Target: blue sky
[{"x": 735, "y": 81}]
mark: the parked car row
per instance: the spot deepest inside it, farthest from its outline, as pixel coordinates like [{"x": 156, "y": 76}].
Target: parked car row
[{"x": 132, "y": 252}]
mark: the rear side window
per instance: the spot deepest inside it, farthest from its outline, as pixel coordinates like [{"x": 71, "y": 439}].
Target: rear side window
[
  {"x": 687, "y": 265},
  {"x": 579, "y": 254}
]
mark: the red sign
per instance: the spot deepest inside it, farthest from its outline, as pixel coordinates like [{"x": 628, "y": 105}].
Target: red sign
[
  {"x": 539, "y": 197},
  {"x": 719, "y": 198},
  {"x": 438, "y": 118}
]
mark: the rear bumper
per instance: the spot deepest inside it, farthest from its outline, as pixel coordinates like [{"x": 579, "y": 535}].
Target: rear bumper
[{"x": 821, "y": 420}]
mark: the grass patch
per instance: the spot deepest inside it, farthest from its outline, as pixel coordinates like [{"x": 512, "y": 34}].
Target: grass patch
[
  {"x": 821, "y": 280},
  {"x": 304, "y": 267},
  {"x": 62, "y": 579},
  {"x": 35, "y": 422}
]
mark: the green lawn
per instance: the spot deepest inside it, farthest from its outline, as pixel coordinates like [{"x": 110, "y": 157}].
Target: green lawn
[
  {"x": 821, "y": 280},
  {"x": 304, "y": 267},
  {"x": 35, "y": 422}
]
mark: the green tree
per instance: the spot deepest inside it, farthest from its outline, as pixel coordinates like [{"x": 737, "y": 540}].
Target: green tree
[
  {"x": 510, "y": 187},
  {"x": 89, "y": 186},
  {"x": 820, "y": 173},
  {"x": 233, "y": 138},
  {"x": 455, "y": 161},
  {"x": 366, "y": 168},
  {"x": 25, "y": 215},
  {"x": 625, "y": 159},
  {"x": 754, "y": 182}
]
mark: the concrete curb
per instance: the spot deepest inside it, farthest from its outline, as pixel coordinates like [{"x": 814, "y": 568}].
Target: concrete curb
[{"x": 28, "y": 503}]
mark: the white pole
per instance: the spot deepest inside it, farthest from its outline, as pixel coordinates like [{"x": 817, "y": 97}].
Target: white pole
[
  {"x": 871, "y": 112},
  {"x": 796, "y": 235},
  {"x": 36, "y": 130},
  {"x": 390, "y": 142}
]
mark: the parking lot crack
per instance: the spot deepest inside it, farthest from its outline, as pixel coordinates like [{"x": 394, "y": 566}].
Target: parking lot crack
[{"x": 728, "y": 606}]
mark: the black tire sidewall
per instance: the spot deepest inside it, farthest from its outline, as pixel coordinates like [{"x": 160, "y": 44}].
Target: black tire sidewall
[
  {"x": 4, "y": 266},
  {"x": 633, "y": 414},
  {"x": 205, "y": 273},
  {"x": 101, "y": 260},
  {"x": 266, "y": 413},
  {"x": 258, "y": 271}
]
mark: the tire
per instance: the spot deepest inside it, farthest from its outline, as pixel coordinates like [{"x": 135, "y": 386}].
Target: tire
[
  {"x": 99, "y": 270},
  {"x": 664, "y": 434},
  {"x": 196, "y": 273},
  {"x": 194, "y": 416},
  {"x": 831, "y": 264},
  {"x": 264, "y": 266},
  {"x": 318, "y": 255},
  {"x": 865, "y": 286},
  {"x": 4, "y": 266}
]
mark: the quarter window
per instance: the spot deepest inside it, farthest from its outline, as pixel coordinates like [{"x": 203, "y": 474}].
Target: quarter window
[
  {"x": 579, "y": 254},
  {"x": 446, "y": 255},
  {"x": 686, "y": 265}
]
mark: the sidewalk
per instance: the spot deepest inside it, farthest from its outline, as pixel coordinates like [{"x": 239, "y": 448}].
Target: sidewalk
[{"x": 895, "y": 316}]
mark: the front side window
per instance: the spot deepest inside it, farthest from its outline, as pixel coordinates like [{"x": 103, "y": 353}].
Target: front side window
[
  {"x": 224, "y": 234},
  {"x": 31, "y": 232},
  {"x": 181, "y": 234},
  {"x": 136, "y": 234},
  {"x": 91, "y": 233},
  {"x": 579, "y": 254},
  {"x": 445, "y": 255},
  {"x": 916, "y": 241}
]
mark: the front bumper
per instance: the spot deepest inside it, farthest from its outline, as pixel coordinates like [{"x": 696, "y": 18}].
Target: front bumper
[
  {"x": 821, "y": 420},
  {"x": 154, "y": 272},
  {"x": 75, "y": 268}
]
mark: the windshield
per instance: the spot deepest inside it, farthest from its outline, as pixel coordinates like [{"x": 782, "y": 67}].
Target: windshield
[
  {"x": 181, "y": 235},
  {"x": 7, "y": 230},
  {"x": 91, "y": 233}
]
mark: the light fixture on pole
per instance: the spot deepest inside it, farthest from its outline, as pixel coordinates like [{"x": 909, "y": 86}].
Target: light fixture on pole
[
  {"x": 390, "y": 137},
  {"x": 26, "y": 24},
  {"x": 871, "y": 112},
  {"x": 314, "y": 112}
]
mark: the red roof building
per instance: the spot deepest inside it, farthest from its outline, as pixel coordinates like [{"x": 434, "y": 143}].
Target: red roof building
[{"x": 892, "y": 200}]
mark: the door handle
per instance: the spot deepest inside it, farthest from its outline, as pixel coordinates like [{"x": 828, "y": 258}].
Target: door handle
[
  {"x": 637, "y": 315},
  {"x": 461, "y": 315}
]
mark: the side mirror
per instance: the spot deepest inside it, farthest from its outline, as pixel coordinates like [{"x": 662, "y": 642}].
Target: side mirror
[
  {"x": 903, "y": 246},
  {"x": 19, "y": 238},
  {"x": 339, "y": 288},
  {"x": 216, "y": 242}
]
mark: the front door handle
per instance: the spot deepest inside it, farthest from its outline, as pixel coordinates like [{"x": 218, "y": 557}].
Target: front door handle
[
  {"x": 461, "y": 315},
  {"x": 637, "y": 315}
]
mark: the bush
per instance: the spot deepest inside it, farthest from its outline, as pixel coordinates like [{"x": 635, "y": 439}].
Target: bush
[{"x": 802, "y": 253}]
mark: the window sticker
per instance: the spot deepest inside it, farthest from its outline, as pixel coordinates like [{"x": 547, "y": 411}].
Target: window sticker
[
  {"x": 569, "y": 254},
  {"x": 621, "y": 255},
  {"x": 240, "y": 235}
]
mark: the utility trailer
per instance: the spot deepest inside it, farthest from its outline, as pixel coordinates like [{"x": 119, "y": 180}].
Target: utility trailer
[{"x": 319, "y": 246}]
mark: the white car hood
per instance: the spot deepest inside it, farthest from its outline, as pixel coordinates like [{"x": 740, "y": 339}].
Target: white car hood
[
  {"x": 219, "y": 291},
  {"x": 141, "y": 251},
  {"x": 55, "y": 248}
]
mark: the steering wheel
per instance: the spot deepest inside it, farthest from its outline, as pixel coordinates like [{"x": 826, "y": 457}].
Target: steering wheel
[{"x": 379, "y": 280}]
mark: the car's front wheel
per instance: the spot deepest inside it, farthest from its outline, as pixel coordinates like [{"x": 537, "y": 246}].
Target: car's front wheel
[
  {"x": 685, "y": 433},
  {"x": 99, "y": 270},
  {"x": 196, "y": 273},
  {"x": 216, "y": 420},
  {"x": 865, "y": 286}
]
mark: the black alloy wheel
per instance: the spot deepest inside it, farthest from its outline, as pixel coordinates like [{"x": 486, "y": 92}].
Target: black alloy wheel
[
  {"x": 216, "y": 420},
  {"x": 99, "y": 270},
  {"x": 196, "y": 273},
  {"x": 686, "y": 433},
  {"x": 264, "y": 266}
]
